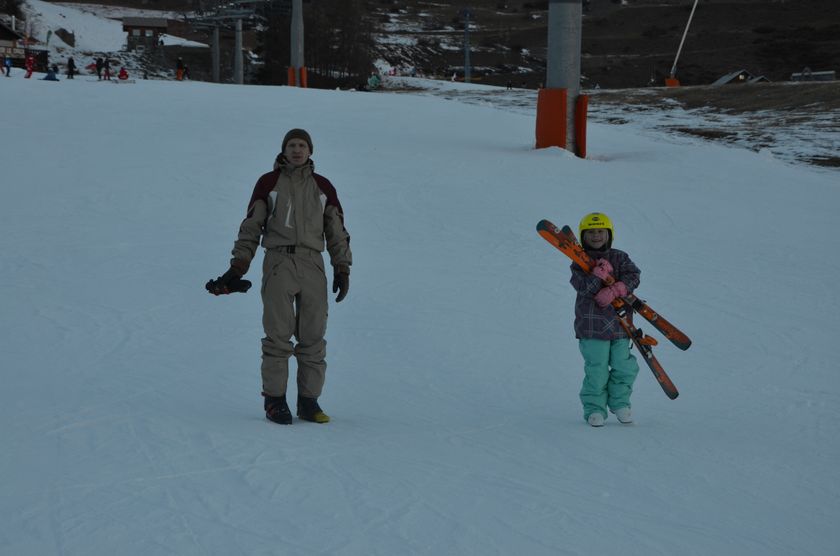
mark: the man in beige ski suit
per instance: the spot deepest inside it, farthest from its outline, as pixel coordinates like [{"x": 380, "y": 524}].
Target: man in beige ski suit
[{"x": 297, "y": 214}]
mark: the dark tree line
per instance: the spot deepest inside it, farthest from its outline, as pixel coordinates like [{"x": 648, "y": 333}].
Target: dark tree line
[
  {"x": 338, "y": 44},
  {"x": 11, "y": 7}
]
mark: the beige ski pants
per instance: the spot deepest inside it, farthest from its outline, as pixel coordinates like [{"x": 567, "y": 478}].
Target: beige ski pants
[{"x": 294, "y": 296}]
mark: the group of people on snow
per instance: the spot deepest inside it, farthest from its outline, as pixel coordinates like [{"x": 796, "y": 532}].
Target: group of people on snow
[
  {"x": 102, "y": 67},
  {"x": 295, "y": 215}
]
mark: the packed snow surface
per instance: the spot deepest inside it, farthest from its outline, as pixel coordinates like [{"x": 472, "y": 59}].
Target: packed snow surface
[{"x": 130, "y": 410}]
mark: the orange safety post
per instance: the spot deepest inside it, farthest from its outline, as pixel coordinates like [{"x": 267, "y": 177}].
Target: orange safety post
[
  {"x": 303, "y": 77},
  {"x": 292, "y": 80},
  {"x": 672, "y": 82},
  {"x": 581, "y": 108},
  {"x": 551, "y": 118}
]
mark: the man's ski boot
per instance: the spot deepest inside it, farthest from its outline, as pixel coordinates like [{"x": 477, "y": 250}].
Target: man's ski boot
[
  {"x": 309, "y": 410},
  {"x": 277, "y": 410}
]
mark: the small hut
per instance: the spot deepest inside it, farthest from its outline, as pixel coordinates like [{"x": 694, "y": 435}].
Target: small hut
[
  {"x": 740, "y": 77},
  {"x": 144, "y": 32}
]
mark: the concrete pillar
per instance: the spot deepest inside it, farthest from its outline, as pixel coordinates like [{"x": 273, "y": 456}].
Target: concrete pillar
[
  {"x": 237, "y": 55},
  {"x": 215, "y": 55},
  {"x": 563, "y": 64},
  {"x": 296, "y": 62},
  {"x": 467, "y": 63}
]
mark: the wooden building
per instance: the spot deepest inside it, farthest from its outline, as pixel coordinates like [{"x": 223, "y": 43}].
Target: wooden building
[
  {"x": 11, "y": 44},
  {"x": 14, "y": 45},
  {"x": 808, "y": 75},
  {"x": 144, "y": 32}
]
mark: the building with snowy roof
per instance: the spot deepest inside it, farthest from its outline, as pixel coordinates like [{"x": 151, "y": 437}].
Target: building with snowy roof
[{"x": 144, "y": 32}]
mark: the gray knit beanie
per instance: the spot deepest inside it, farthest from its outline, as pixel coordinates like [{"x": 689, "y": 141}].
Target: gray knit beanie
[{"x": 297, "y": 134}]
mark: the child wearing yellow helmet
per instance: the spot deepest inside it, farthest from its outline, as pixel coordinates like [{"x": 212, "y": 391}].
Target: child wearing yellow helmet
[{"x": 609, "y": 368}]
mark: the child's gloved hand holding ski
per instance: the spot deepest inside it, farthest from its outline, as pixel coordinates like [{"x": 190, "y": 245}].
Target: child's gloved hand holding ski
[
  {"x": 609, "y": 293},
  {"x": 603, "y": 270}
]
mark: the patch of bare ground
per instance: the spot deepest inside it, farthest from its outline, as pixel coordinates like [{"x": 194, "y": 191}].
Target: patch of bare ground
[
  {"x": 761, "y": 96},
  {"x": 796, "y": 121},
  {"x": 814, "y": 96},
  {"x": 826, "y": 161},
  {"x": 718, "y": 134}
]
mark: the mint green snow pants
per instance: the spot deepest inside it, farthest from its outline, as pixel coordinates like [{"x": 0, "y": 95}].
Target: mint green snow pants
[{"x": 610, "y": 373}]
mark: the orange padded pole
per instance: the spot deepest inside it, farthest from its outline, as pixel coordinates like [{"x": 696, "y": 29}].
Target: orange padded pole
[
  {"x": 551, "y": 118},
  {"x": 581, "y": 108}
]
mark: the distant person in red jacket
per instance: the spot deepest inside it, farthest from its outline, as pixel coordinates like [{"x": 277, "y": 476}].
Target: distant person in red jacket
[
  {"x": 123, "y": 74},
  {"x": 30, "y": 66}
]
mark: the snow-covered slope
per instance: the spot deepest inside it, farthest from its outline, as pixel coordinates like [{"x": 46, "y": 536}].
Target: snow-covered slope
[
  {"x": 92, "y": 32},
  {"x": 95, "y": 28},
  {"x": 130, "y": 414}
]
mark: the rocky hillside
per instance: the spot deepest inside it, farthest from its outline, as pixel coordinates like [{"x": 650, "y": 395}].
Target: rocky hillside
[{"x": 626, "y": 43}]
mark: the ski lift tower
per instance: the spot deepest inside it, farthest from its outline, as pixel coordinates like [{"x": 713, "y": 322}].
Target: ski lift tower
[
  {"x": 466, "y": 13},
  {"x": 297, "y": 69},
  {"x": 561, "y": 109},
  {"x": 234, "y": 13}
]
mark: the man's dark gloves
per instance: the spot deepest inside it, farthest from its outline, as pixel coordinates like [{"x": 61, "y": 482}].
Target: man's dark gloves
[
  {"x": 341, "y": 282},
  {"x": 229, "y": 282}
]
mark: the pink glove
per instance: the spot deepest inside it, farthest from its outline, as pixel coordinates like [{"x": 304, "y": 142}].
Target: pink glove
[
  {"x": 605, "y": 296},
  {"x": 602, "y": 269},
  {"x": 608, "y": 294},
  {"x": 620, "y": 289}
]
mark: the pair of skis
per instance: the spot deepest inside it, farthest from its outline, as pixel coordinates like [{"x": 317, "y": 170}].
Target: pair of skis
[{"x": 565, "y": 240}]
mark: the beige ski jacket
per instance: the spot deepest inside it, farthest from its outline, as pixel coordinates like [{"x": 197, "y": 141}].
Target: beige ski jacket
[{"x": 293, "y": 206}]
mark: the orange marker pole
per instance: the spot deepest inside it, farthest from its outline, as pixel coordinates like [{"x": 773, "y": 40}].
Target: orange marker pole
[
  {"x": 581, "y": 109},
  {"x": 551, "y": 118}
]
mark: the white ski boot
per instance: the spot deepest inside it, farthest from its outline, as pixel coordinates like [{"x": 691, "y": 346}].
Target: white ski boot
[
  {"x": 624, "y": 416},
  {"x": 596, "y": 420}
]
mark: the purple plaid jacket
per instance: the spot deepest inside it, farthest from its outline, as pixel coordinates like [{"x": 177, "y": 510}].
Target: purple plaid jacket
[{"x": 591, "y": 321}]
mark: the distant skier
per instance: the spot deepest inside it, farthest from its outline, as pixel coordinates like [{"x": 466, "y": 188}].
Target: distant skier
[
  {"x": 609, "y": 368},
  {"x": 30, "y": 66},
  {"x": 297, "y": 214},
  {"x": 7, "y": 64},
  {"x": 52, "y": 74},
  {"x": 179, "y": 69},
  {"x": 100, "y": 63},
  {"x": 71, "y": 67},
  {"x": 106, "y": 69}
]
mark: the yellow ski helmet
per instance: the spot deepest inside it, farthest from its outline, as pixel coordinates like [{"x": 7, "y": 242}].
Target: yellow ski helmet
[{"x": 595, "y": 221}]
